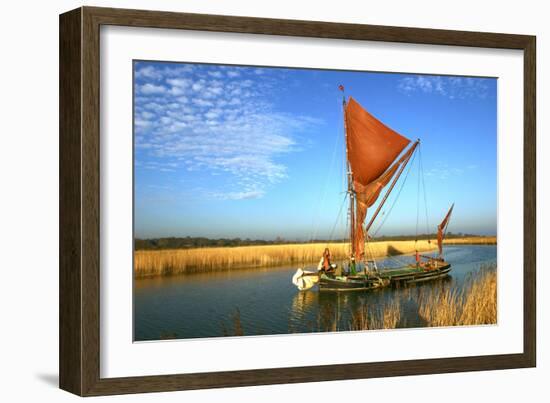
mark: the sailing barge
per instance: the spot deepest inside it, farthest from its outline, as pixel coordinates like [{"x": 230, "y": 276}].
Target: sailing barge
[{"x": 376, "y": 156}]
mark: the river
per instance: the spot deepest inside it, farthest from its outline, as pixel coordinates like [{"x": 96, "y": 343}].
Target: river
[{"x": 264, "y": 301}]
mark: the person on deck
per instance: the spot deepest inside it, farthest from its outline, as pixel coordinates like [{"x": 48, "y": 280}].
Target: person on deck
[
  {"x": 327, "y": 266},
  {"x": 418, "y": 260}
]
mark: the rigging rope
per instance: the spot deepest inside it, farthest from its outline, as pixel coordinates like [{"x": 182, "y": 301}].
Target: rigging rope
[
  {"x": 388, "y": 257},
  {"x": 321, "y": 203},
  {"x": 417, "y": 203},
  {"x": 338, "y": 217},
  {"x": 397, "y": 196},
  {"x": 424, "y": 191},
  {"x": 397, "y": 260}
]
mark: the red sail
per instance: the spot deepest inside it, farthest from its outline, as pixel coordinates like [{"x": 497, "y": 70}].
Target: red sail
[
  {"x": 372, "y": 148},
  {"x": 441, "y": 228}
]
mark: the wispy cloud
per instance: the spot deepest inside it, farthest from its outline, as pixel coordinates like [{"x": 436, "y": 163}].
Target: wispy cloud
[
  {"x": 244, "y": 195},
  {"x": 444, "y": 171},
  {"x": 216, "y": 120},
  {"x": 450, "y": 87}
]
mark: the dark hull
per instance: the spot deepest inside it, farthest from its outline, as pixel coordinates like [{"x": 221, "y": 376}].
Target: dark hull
[
  {"x": 416, "y": 275},
  {"x": 398, "y": 276},
  {"x": 355, "y": 283}
]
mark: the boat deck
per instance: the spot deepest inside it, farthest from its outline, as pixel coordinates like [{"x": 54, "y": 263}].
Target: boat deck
[
  {"x": 413, "y": 273},
  {"x": 401, "y": 271},
  {"x": 400, "y": 275}
]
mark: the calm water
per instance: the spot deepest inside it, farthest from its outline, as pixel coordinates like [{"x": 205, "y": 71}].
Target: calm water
[{"x": 205, "y": 305}]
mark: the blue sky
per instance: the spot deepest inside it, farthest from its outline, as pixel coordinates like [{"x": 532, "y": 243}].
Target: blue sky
[{"x": 254, "y": 152}]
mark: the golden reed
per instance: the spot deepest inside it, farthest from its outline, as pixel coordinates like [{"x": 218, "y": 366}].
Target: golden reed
[
  {"x": 150, "y": 263},
  {"x": 478, "y": 240},
  {"x": 474, "y": 304},
  {"x": 385, "y": 316},
  {"x": 177, "y": 261}
]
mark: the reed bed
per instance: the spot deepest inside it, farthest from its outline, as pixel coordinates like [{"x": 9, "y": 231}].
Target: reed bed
[
  {"x": 444, "y": 305},
  {"x": 474, "y": 304},
  {"x": 475, "y": 240},
  {"x": 148, "y": 263},
  {"x": 367, "y": 317},
  {"x": 236, "y": 326}
]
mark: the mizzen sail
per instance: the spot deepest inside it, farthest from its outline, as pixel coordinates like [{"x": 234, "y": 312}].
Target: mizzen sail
[
  {"x": 372, "y": 149},
  {"x": 442, "y": 228}
]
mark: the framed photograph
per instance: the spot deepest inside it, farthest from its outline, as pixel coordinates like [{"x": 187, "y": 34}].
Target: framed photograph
[{"x": 248, "y": 201}]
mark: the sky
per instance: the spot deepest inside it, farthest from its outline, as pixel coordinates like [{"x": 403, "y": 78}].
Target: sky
[{"x": 258, "y": 152}]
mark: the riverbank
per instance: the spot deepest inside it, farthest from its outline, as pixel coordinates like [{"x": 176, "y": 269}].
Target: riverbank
[{"x": 150, "y": 263}]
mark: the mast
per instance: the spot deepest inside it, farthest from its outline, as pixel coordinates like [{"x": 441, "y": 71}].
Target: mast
[
  {"x": 350, "y": 181},
  {"x": 395, "y": 179}
]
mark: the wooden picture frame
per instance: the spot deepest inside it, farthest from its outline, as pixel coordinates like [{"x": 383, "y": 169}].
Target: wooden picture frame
[{"x": 79, "y": 346}]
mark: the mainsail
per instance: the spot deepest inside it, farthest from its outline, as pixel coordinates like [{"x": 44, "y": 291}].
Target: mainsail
[
  {"x": 372, "y": 150},
  {"x": 442, "y": 228}
]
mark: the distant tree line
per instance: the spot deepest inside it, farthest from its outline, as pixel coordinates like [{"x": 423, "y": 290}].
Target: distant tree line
[
  {"x": 202, "y": 242},
  {"x": 449, "y": 235}
]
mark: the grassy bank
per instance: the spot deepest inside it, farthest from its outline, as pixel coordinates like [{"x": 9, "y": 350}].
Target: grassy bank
[
  {"x": 150, "y": 263},
  {"x": 176, "y": 261}
]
